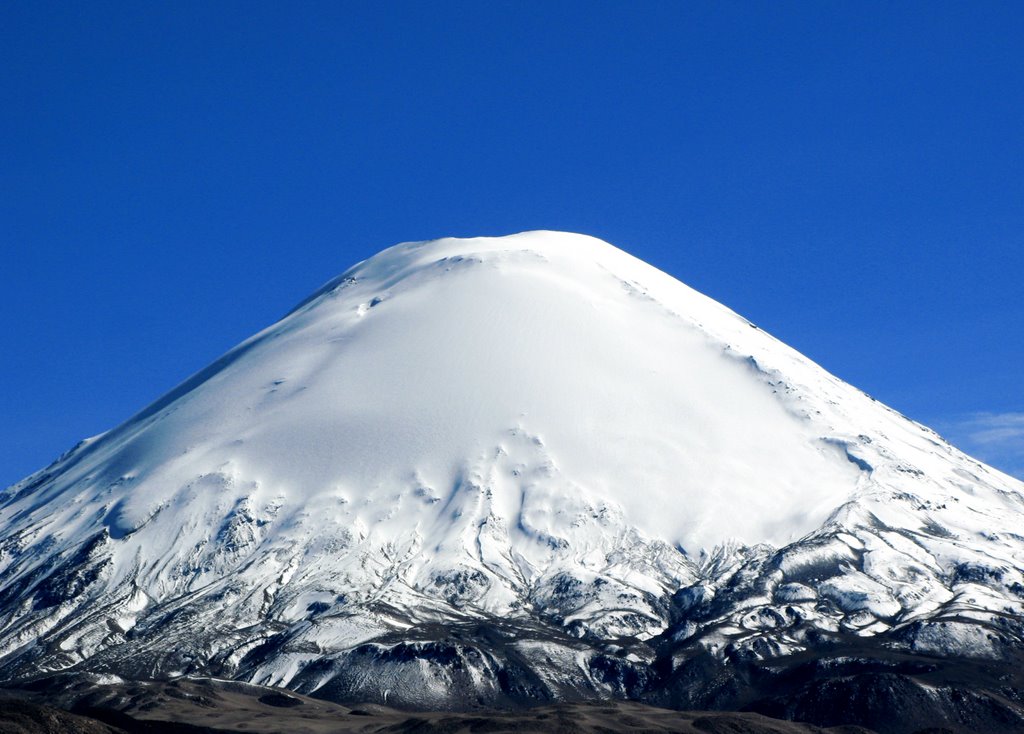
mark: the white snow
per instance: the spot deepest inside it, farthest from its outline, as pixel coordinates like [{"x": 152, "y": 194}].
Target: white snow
[
  {"x": 451, "y": 425},
  {"x": 438, "y": 350}
]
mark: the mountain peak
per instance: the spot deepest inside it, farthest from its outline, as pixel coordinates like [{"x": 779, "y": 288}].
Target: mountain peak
[
  {"x": 407, "y": 258},
  {"x": 423, "y": 360},
  {"x": 537, "y": 428}
]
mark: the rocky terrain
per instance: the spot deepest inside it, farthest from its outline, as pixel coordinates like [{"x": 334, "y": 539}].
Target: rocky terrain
[{"x": 194, "y": 706}]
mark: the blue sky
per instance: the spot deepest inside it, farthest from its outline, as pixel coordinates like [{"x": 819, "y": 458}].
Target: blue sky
[{"x": 175, "y": 176}]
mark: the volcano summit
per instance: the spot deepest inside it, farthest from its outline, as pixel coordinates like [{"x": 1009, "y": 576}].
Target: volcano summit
[{"x": 529, "y": 468}]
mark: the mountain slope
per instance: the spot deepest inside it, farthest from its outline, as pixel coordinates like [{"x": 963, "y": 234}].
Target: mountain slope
[{"x": 520, "y": 467}]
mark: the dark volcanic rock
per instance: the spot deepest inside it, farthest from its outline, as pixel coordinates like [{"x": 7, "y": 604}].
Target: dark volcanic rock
[
  {"x": 18, "y": 716},
  {"x": 215, "y": 707}
]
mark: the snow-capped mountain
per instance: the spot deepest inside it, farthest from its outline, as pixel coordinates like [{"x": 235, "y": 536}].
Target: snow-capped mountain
[{"x": 482, "y": 470}]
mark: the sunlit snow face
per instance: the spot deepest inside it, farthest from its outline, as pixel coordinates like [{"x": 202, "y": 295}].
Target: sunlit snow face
[{"x": 641, "y": 395}]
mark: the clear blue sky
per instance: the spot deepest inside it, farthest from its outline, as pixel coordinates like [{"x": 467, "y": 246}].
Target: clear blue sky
[{"x": 174, "y": 176}]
